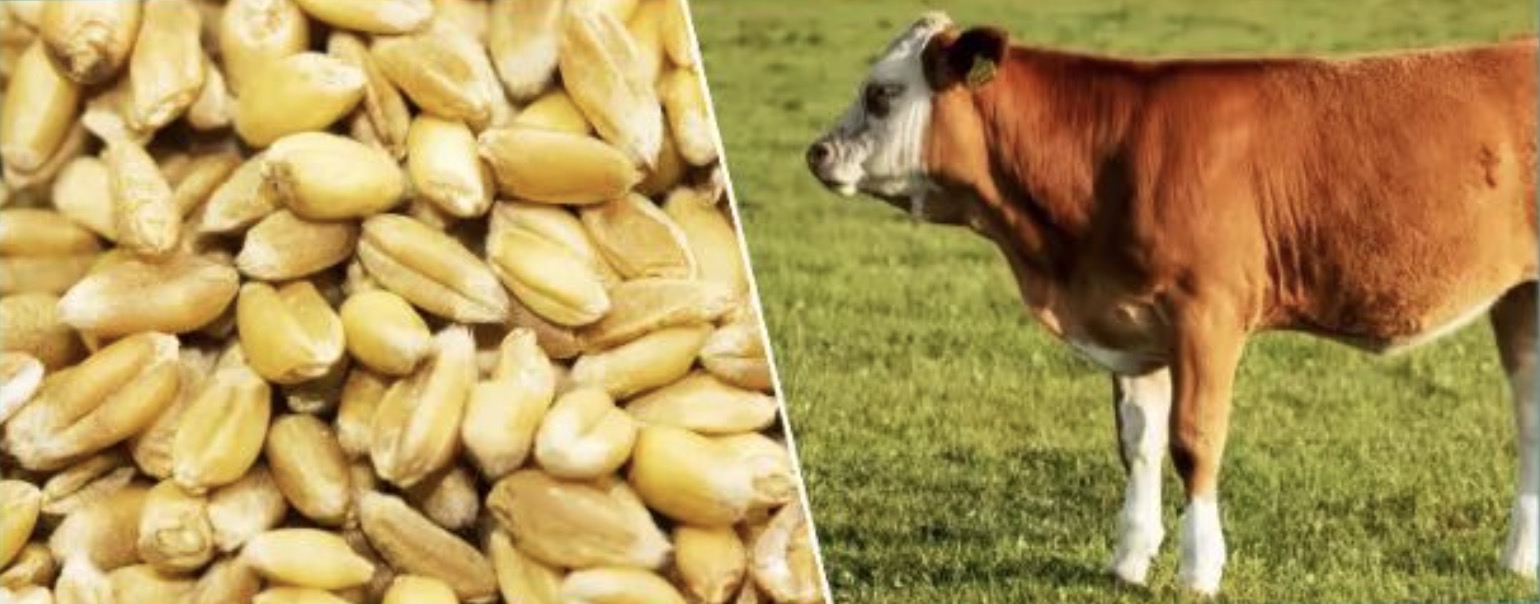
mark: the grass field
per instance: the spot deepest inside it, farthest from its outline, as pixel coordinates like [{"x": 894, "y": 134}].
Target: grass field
[{"x": 954, "y": 453}]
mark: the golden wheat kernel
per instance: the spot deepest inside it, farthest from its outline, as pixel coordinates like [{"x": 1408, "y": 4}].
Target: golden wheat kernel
[
  {"x": 712, "y": 563},
  {"x": 39, "y": 108},
  {"x": 445, "y": 168},
  {"x": 641, "y": 306},
  {"x": 584, "y": 436},
  {"x": 385, "y": 117},
  {"x": 21, "y": 375},
  {"x": 145, "y": 214},
  {"x": 524, "y": 39},
  {"x": 431, "y": 270},
  {"x": 503, "y": 413},
  {"x": 239, "y": 201},
  {"x": 255, "y": 32},
  {"x": 179, "y": 294},
  {"x": 604, "y": 71},
  {"x": 416, "y": 426},
  {"x": 322, "y": 176},
  {"x": 144, "y": 583},
  {"x": 442, "y": 71},
  {"x": 301, "y": 92},
  {"x": 653, "y": 360},
  {"x": 174, "y": 531},
  {"x": 204, "y": 174},
  {"x": 690, "y": 478},
  {"x": 384, "y": 332},
  {"x": 32, "y": 566},
  {"x": 548, "y": 278},
  {"x": 639, "y": 239},
  {"x": 371, "y": 16},
  {"x": 112, "y": 395},
  {"x": 89, "y": 41},
  {"x": 683, "y": 93},
  {"x": 226, "y": 580},
  {"x": 165, "y": 70},
  {"x": 20, "y": 501},
  {"x": 414, "y": 545},
  {"x": 307, "y": 558},
  {"x": 557, "y": 167},
  {"x": 86, "y": 481},
  {"x": 618, "y": 586},
  {"x": 705, "y": 404},
  {"x": 215, "y": 107},
  {"x": 310, "y": 468},
  {"x": 449, "y": 498},
  {"x": 576, "y": 524},
  {"x": 290, "y": 334},
  {"x": 221, "y": 433},
  {"x": 521, "y": 578},
  {"x": 103, "y": 534},
  {"x": 284, "y": 246}
]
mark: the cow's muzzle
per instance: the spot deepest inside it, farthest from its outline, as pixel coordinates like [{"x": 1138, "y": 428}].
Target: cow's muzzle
[
  {"x": 819, "y": 154},
  {"x": 822, "y": 160}
]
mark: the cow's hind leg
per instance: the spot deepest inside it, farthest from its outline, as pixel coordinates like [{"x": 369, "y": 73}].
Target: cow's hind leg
[
  {"x": 1514, "y": 321},
  {"x": 1143, "y": 405}
]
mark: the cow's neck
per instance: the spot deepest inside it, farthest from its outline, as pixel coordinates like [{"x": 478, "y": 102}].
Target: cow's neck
[{"x": 1051, "y": 123}]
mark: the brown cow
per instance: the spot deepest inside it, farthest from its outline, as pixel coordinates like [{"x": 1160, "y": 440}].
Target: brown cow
[{"x": 1156, "y": 213}]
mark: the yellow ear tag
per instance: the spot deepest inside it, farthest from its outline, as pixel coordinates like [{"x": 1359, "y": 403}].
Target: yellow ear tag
[{"x": 982, "y": 72}]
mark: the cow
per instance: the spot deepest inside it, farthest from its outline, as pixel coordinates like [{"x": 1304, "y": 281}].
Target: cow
[{"x": 1156, "y": 213}]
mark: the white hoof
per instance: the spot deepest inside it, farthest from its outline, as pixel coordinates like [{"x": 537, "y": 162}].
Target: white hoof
[
  {"x": 1138, "y": 543},
  {"x": 1203, "y": 548},
  {"x": 1202, "y": 582},
  {"x": 1521, "y": 554}
]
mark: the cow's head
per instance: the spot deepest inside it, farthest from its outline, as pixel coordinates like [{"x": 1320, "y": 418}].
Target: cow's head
[{"x": 880, "y": 146}]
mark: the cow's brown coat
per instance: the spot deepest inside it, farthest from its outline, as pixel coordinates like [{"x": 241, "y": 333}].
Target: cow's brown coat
[{"x": 1167, "y": 209}]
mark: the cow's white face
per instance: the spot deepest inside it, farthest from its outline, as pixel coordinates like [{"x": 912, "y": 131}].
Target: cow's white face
[{"x": 877, "y": 147}]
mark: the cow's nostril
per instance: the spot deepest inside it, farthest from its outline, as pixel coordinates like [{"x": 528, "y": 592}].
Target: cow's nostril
[{"x": 818, "y": 154}]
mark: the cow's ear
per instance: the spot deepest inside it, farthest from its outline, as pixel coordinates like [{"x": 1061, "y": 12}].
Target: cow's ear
[{"x": 970, "y": 58}]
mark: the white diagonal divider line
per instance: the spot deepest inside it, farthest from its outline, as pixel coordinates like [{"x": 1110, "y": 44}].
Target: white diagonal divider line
[{"x": 764, "y": 330}]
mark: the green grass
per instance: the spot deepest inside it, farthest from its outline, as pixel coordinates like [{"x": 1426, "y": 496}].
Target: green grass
[{"x": 955, "y": 453}]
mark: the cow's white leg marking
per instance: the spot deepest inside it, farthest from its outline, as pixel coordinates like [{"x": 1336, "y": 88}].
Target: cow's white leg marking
[
  {"x": 1143, "y": 407},
  {"x": 1203, "y": 546},
  {"x": 1521, "y": 554}
]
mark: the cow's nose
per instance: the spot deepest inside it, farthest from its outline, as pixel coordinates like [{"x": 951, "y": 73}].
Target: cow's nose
[{"x": 818, "y": 154}]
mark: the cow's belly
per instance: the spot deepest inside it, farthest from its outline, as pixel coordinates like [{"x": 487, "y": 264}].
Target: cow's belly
[
  {"x": 1428, "y": 331},
  {"x": 1136, "y": 356},
  {"x": 1386, "y": 316},
  {"x": 1440, "y": 330}
]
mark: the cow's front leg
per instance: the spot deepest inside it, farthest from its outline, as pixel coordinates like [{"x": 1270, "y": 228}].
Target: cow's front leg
[
  {"x": 1206, "y": 352},
  {"x": 1143, "y": 405}
]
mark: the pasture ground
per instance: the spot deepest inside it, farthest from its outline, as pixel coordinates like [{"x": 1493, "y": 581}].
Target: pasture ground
[{"x": 954, "y": 453}]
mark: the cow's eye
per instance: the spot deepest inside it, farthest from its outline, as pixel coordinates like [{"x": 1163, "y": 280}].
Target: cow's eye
[{"x": 878, "y": 99}]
